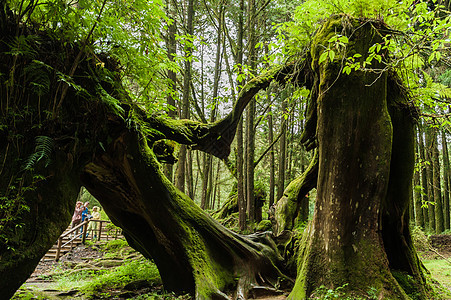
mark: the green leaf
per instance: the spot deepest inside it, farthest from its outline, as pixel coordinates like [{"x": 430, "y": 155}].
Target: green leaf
[
  {"x": 333, "y": 39},
  {"x": 431, "y": 57},
  {"x": 323, "y": 56},
  {"x": 438, "y": 55},
  {"x": 343, "y": 39},
  {"x": 331, "y": 55},
  {"x": 372, "y": 48},
  {"x": 347, "y": 70}
]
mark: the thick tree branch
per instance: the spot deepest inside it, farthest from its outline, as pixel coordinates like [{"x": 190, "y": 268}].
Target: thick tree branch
[
  {"x": 287, "y": 207},
  {"x": 215, "y": 138}
]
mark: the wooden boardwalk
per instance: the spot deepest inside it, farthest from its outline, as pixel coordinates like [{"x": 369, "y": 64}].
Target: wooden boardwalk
[{"x": 72, "y": 237}]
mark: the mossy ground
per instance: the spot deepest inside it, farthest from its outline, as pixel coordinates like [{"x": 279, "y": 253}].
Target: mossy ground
[
  {"x": 441, "y": 271},
  {"x": 99, "y": 271}
]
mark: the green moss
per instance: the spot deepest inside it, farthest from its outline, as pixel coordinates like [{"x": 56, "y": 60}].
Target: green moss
[
  {"x": 209, "y": 275},
  {"x": 320, "y": 41},
  {"x": 287, "y": 208},
  {"x": 408, "y": 283},
  {"x": 264, "y": 225},
  {"x": 304, "y": 255}
]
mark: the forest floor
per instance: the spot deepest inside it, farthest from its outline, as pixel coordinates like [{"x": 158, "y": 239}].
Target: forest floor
[
  {"x": 100, "y": 271},
  {"x": 91, "y": 272},
  {"x": 437, "y": 259}
]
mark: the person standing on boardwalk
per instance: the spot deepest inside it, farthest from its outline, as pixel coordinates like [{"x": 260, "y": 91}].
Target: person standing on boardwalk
[
  {"x": 85, "y": 214},
  {"x": 93, "y": 225},
  {"x": 76, "y": 218}
]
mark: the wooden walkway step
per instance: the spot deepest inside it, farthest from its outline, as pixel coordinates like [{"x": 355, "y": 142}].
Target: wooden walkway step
[{"x": 72, "y": 238}]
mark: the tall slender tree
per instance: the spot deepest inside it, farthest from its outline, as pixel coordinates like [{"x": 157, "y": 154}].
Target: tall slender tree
[
  {"x": 429, "y": 142},
  {"x": 207, "y": 182},
  {"x": 271, "y": 152},
  {"x": 171, "y": 46},
  {"x": 282, "y": 151},
  {"x": 424, "y": 177},
  {"x": 419, "y": 218},
  {"x": 436, "y": 183},
  {"x": 241, "y": 196},
  {"x": 250, "y": 129},
  {"x": 189, "y": 25},
  {"x": 446, "y": 180}
]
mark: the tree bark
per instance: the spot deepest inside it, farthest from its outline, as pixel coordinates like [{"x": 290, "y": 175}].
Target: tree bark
[
  {"x": 194, "y": 254},
  {"x": 419, "y": 218},
  {"x": 206, "y": 171},
  {"x": 181, "y": 167},
  {"x": 240, "y": 136},
  {"x": 51, "y": 202},
  {"x": 436, "y": 183},
  {"x": 288, "y": 208},
  {"x": 429, "y": 140},
  {"x": 250, "y": 129},
  {"x": 171, "y": 46},
  {"x": 446, "y": 180},
  {"x": 424, "y": 177},
  {"x": 240, "y": 185},
  {"x": 282, "y": 151},
  {"x": 364, "y": 179},
  {"x": 189, "y": 175},
  {"x": 271, "y": 152}
]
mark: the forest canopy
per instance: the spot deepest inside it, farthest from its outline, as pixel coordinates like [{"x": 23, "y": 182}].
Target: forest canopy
[{"x": 308, "y": 114}]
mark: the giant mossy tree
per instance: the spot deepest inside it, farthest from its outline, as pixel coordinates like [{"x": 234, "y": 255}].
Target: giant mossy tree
[
  {"x": 60, "y": 132},
  {"x": 359, "y": 234}
]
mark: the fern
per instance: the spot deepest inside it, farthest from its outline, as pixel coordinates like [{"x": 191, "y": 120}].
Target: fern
[
  {"x": 445, "y": 78},
  {"x": 38, "y": 75},
  {"x": 23, "y": 46},
  {"x": 42, "y": 151},
  {"x": 112, "y": 102},
  {"x": 444, "y": 91}
]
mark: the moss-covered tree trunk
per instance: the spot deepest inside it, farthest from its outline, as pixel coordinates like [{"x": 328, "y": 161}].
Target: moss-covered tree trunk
[
  {"x": 194, "y": 254},
  {"x": 365, "y": 145},
  {"x": 39, "y": 214}
]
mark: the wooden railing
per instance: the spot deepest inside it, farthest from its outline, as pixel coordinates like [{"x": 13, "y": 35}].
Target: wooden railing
[{"x": 75, "y": 233}]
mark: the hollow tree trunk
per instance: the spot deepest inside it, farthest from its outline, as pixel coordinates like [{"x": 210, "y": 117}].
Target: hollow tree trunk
[
  {"x": 194, "y": 254},
  {"x": 360, "y": 147}
]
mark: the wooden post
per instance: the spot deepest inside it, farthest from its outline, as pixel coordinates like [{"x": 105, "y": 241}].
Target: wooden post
[
  {"x": 83, "y": 234},
  {"x": 100, "y": 230},
  {"x": 58, "y": 249}
]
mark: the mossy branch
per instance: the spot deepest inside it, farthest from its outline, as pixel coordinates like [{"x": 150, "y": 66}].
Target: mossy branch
[{"x": 216, "y": 138}]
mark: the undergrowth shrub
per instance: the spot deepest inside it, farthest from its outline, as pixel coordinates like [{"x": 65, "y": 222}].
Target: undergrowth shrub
[
  {"x": 141, "y": 269},
  {"x": 420, "y": 239}
]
